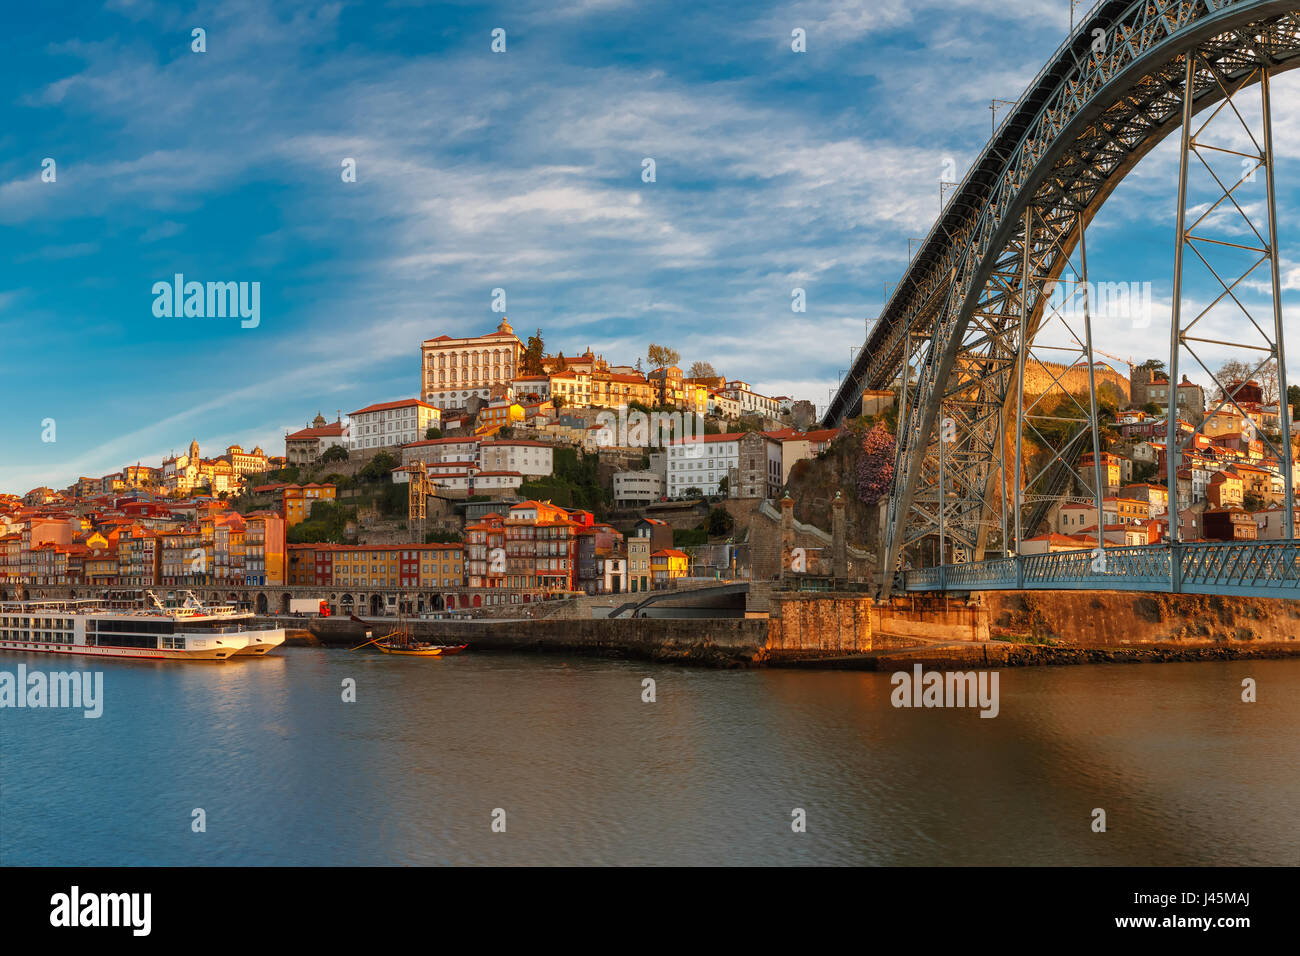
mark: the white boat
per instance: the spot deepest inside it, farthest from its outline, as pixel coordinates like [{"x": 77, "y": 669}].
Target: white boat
[
  {"x": 261, "y": 642},
  {"x": 187, "y": 631}
]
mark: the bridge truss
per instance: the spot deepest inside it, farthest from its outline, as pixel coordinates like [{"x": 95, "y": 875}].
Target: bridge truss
[{"x": 971, "y": 316}]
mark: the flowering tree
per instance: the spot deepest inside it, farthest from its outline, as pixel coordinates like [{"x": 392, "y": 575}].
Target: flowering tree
[{"x": 875, "y": 466}]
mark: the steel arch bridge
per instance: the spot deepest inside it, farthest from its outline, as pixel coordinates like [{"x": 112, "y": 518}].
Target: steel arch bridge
[{"x": 964, "y": 323}]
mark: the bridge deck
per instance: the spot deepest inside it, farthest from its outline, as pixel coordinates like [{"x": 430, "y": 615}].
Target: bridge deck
[{"x": 1261, "y": 569}]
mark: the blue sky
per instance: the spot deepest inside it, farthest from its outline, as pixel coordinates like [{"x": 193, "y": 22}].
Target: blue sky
[{"x": 477, "y": 170}]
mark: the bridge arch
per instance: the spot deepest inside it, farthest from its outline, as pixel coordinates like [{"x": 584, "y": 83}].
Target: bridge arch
[{"x": 977, "y": 283}]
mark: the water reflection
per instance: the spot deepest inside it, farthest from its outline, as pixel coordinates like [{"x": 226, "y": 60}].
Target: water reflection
[{"x": 410, "y": 773}]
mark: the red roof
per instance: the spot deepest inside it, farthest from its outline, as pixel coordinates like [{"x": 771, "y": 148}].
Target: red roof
[
  {"x": 325, "y": 431},
  {"x": 440, "y": 441},
  {"x": 385, "y": 406}
]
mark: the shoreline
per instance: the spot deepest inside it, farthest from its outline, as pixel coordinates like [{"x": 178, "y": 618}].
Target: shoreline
[{"x": 895, "y": 652}]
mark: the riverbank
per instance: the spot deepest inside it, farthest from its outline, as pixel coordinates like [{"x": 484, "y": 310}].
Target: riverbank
[
  {"x": 734, "y": 643},
  {"x": 995, "y": 654}
]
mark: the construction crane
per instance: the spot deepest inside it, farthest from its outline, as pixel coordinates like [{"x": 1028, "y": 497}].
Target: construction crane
[
  {"x": 418, "y": 490},
  {"x": 1127, "y": 361}
]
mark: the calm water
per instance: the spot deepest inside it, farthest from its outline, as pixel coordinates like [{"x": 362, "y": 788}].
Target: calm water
[{"x": 709, "y": 774}]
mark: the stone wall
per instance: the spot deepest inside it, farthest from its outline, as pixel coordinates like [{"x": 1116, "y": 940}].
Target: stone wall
[
  {"x": 933, "y": 619},
  {"x": 1040, "y": 377},
  {"x": 733, "y": 642},
  {"x": 1126, "y": 617},
  {"x": 816, "y": 625}
]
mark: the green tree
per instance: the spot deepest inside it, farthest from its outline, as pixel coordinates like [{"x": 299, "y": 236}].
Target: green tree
[
  {"x": 720, "y": 522},
  {"x": 379, "y": 468},
  {"x": 335, "y": 453},
  {"x": 325, "y": 524},
  {"x": 432, "y": 433},
  {"x": 533, "y": 353}
]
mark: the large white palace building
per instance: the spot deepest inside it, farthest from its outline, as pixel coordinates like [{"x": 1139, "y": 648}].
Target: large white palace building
[{"x": 453, "y": 370}]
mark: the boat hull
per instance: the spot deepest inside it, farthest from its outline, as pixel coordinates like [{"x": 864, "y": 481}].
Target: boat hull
[
  {"x": 261, "y": 643},
  {"x": 440, "y": 651},
  {"x": 223, "y": 651}
]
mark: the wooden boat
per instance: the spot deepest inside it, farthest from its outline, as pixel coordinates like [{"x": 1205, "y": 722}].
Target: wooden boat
[
  {"x": 419, "y": 649},
  {"x": 400, "y": 641}
]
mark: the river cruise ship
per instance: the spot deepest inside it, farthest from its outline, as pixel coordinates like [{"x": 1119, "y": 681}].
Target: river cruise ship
[{"x": 182, "y": 630}]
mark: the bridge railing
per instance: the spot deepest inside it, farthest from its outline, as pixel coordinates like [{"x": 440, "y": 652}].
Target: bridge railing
[{"x": 1265, "y": 568}]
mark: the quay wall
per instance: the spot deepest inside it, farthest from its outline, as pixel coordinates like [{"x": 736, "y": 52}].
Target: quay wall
[
  {"x": 799, "y": 627},
  {"x": 1122, "y": 618},
  {"x": 720, "y": 642}
]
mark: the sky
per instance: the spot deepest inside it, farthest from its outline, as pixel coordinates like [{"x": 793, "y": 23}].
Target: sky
[{"x": 477, "y": 170}]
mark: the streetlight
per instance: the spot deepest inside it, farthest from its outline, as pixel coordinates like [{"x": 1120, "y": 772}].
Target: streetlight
[
  {"x": 945, "y": 185},
  {"x": 993, "y": 108}
]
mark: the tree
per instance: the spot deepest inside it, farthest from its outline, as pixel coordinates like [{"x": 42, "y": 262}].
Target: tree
[
  {"x": 379, "y": 467},
  {"x": 432, "y": 433},
  {"x": 1155, "y": 366},
  {"x": 724, "y": 485},
  {"x": 561, "y": 363},
  {"x": 693, "y": 492},
  {"x": 1235, "y": 371},
  {"x": 533, "y": 353},
  {"x": 335, "y": 453},
  {"x": 1293, "y": 395},
  {"x": 661, "y": 356},
  {"x": 720, "y": 522},
  {"x": 701, "y": 370},
  {"x": 875, "y": 466}
]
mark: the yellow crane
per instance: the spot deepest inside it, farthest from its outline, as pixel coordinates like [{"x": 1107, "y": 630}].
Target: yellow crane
[{"x": 418, "y": 490}]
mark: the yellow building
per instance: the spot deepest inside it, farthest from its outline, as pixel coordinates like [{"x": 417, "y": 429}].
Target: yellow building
[
  {"x": 668, "y": 563},
  {"x": 397, "y": 565},
  {"x": 298, "y": 500},
  {"x": 302, "y": 563},
  {"x": 497, "y": 415},
  {"x": 264, "y": 548}
]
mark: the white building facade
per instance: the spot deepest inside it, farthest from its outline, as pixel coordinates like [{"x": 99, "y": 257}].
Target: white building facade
[
  {"x": 702, "y": 462},
  {"x": 455, "y": 370},
  {"x": 390, "y": 424},
  {"x": 529, "y": 458}
]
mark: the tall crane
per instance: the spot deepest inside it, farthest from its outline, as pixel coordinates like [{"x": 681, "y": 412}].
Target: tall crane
[
  {"x": 1127, "y": 361},
  {"x": 419, "y": 488}
]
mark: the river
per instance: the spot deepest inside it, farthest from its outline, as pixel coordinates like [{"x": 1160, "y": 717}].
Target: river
[{"x": 285, "y": 772}]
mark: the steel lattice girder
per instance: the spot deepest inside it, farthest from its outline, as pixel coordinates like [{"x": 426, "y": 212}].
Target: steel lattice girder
[{"x": 1099, "y": 115}]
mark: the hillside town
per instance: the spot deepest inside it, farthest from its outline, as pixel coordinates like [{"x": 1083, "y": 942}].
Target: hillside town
[{"x": 514, "y": 475}]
